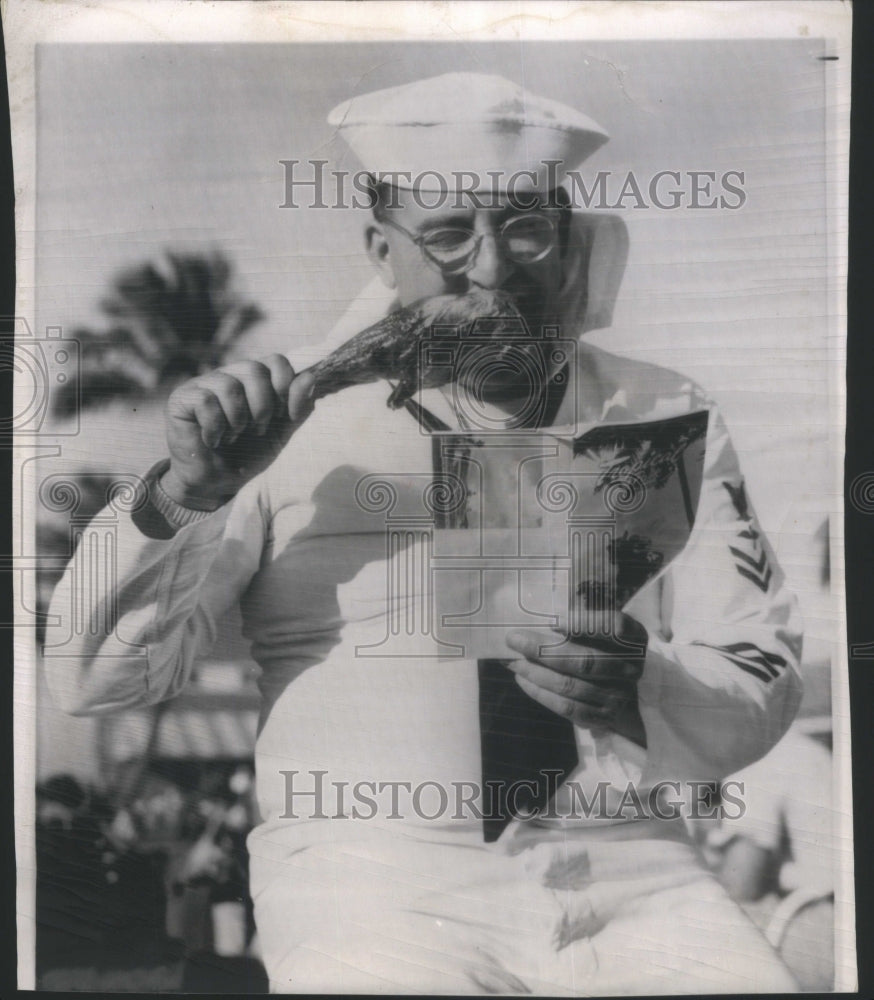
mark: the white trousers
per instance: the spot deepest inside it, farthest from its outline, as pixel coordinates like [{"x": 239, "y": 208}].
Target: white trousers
[{"x": 566, "y": 917}]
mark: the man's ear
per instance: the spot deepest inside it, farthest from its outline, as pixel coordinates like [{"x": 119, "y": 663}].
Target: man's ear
[{"x": 378, "y": 251}]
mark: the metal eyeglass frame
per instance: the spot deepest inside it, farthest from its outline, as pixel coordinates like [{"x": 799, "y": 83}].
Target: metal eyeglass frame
[{"x": 478, "y": 239}]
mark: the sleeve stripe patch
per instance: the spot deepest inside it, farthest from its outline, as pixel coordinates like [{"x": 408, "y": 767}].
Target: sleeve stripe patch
[
  {"x": 762, "y": 582},
  {"x": 742, "y": 647},
  {"x": 757, "y": 564},
  {"x": 747, "y": 656},
  {"x": 751, "y": 670}
]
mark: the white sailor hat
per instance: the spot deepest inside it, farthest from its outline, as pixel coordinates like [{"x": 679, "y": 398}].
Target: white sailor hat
[{"x": 466, "y": 129}]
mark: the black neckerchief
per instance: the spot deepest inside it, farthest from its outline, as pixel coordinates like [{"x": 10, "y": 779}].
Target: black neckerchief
[{"x": 524, "y": 747}]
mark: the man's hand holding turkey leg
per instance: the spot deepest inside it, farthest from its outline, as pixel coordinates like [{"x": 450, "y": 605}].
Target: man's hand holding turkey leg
[{"x": 225, "y": 427}]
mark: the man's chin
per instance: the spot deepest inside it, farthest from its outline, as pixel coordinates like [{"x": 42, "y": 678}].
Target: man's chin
[{"x": 512, "y": 372}]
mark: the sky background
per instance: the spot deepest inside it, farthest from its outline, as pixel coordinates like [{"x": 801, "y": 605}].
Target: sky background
[{"x": 143, "y": 148}]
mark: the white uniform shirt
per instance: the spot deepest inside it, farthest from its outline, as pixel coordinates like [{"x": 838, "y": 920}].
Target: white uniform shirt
[{"x": 308, "y": 565}]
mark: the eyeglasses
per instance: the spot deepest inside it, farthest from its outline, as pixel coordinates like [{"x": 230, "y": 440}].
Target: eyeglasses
[{"x": 453, "y": 250}]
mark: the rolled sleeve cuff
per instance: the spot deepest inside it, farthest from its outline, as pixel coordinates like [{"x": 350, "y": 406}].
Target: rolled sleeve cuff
[{"x": 161, "y": 517}]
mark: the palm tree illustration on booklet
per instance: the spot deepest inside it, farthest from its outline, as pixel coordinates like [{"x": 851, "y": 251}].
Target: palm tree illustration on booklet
[
  {"x": 652, "y": 452},
  {"x": 651, "y": 456},
  {"x": 167, "y": 322},
  {"x": 635, "y": 562}
]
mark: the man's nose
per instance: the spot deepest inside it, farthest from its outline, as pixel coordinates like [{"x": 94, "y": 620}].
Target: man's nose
[{"x": 491, "y": 268}]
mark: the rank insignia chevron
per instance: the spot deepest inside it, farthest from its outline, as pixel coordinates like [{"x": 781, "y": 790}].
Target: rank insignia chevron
[
  {"x": 756, "y": 570},
  {"x": 752, "y": 565},
  {"x": 739, "y": 500}
]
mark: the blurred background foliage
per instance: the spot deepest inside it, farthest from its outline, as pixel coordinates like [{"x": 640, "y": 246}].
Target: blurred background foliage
[{"x": 167, "y": 321}]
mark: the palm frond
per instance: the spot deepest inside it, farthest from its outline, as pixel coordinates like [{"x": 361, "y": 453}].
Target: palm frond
[{"x": 170, "y": 321}]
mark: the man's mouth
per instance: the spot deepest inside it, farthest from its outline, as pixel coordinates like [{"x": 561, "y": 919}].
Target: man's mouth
[
  {"x": 530, "y": 299},
  {"x": 515, "y": 364}
]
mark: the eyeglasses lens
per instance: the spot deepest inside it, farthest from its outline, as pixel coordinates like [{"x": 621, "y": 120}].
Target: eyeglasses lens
[
  {"x": 529, "y": 238},
  {"x": 525, "y": 240},
  {"x": 451, "y": 249}
]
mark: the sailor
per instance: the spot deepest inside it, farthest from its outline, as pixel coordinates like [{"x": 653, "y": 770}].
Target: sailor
[{"x": 371, "y": 870}]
